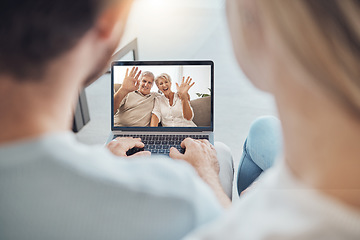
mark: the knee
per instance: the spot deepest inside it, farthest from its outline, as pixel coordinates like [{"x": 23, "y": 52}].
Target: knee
[
  {"x": 264, "y": 125},
  {"x": 222, "y": 147},
  {"x": 264, "y": 141},
  {"x": 267, "y": 127}
]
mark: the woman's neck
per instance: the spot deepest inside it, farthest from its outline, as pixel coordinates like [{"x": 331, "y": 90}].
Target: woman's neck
[
  {"x": 321, "y": 143},
  {"x": 170, "y": 95}
]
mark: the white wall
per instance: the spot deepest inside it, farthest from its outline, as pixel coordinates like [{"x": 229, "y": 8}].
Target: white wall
[{"x": 199, "y": 74}]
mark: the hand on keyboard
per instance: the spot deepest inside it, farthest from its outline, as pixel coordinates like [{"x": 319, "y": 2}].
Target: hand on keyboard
[
  {"x": 201, "y": 154},
  {"x": 161, "y": 143},
  {"x": 134, "y": 150},
  {"x": 126, "y": 146}
]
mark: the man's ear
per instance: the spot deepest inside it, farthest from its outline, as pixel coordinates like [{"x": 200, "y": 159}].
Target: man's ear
[{"x": 113, "y": 19}]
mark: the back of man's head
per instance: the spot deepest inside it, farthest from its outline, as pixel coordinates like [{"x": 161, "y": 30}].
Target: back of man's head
[{"x": 34, "y": 32}]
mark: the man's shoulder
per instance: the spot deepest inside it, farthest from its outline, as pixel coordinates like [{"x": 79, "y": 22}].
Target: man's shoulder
[
  {"x": 133, "y": 97},
  {"x": 158, "y": 96},
  {"x": 63, "y": 153},
  {"x": 158, "y": 179},
  {"x": 161, "y": 175},
  {"x": 139, "y": 95},
  {"x": 152, "y": 189},
  {"x": 155, "y": 94}
]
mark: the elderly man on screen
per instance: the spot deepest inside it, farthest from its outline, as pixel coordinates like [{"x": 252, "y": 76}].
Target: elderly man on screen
[{"x": 134, "y": 101}]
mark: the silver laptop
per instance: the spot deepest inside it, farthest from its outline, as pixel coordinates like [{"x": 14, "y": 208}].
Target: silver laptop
[{"x": 158, "y": 140}]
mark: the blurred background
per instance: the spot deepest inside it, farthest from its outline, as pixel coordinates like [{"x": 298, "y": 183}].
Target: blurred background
[{"x": 186, "y": 30}]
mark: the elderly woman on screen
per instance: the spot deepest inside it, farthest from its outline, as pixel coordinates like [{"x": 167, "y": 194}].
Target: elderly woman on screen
[{"x": 173, "y": 109}]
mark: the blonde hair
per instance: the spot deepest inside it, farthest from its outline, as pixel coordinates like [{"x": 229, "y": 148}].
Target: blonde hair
[
  {"x": 324, "y": 37},
  {"x": 163, "y": 76}
]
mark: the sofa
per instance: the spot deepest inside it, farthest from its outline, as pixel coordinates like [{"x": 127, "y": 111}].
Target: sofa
[{"x": 202, "y": 111}]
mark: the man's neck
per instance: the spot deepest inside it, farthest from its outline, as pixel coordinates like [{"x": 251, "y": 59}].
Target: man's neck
[
  {"x": 30, "y": 109},
  {"x": 142, "y": 94}
]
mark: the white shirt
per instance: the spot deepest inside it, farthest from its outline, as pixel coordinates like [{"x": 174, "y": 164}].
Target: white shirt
[
  {"x": 53, "y": 187},
  {"x": 171, "y": 116},
  {"x": 278, "y": 207}
]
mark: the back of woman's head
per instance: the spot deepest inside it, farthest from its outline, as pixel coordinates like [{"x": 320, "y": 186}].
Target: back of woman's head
[{"x": 323, "y": 36}]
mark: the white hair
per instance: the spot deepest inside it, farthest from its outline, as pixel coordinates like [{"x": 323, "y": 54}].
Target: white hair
[
  {"x": 148, "y": 73},
  {"x": 163, "y": 76}
]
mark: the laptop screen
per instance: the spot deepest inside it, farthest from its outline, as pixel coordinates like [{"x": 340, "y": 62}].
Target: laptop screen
[{"x": 162, "y": 95}]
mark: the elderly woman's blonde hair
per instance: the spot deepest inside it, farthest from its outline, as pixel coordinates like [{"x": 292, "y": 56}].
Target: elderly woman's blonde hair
[
  {"x": 163, "y": 76},
  {"x": 324, "y": 38}
]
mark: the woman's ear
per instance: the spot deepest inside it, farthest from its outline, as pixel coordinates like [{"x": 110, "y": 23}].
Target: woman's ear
[{"x": 249, "y": 40}]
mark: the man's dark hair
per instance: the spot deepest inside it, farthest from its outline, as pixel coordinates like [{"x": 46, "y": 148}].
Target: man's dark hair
[{"x": 34, "y": 32}]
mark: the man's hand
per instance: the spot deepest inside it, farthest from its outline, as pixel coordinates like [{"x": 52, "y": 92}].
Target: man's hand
[
  {"x": 202, "y": 156},
  {"x": 119, "y": 146},
  {"x": 184, "y": 87},
  {"x": 131, "y": 81}
]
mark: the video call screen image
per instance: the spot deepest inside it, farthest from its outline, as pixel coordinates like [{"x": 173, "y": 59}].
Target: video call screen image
[{"x": 157, "y": 96}]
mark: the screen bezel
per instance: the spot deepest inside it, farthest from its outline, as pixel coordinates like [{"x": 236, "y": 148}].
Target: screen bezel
[{"x": 165, "y": 63}]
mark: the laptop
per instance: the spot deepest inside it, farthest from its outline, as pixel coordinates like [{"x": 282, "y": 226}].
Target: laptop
[{"x": 159, "y": 139}]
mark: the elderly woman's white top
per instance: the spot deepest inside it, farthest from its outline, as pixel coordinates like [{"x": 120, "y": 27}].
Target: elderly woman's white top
[
  {"x": 171, "y": 116},
  {"x": 280, "y": 206}
]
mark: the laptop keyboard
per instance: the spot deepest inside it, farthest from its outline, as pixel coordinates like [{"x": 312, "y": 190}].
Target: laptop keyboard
[{"x": 161, "y": 144}]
